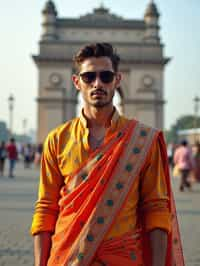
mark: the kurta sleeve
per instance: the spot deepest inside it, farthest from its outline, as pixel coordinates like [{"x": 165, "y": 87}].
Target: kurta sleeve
[
  {"x": 155, "y": 206},
  {"x": 51, "y": 180}
]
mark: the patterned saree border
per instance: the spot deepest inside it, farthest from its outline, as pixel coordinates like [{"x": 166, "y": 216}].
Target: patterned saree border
[
  {"x": 96, "y": 156},
  {"x": 127, "y": 168}
]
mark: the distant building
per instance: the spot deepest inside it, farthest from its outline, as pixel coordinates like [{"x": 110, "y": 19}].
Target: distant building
[
  {"x": 21, "y": 138},
  {"x": 32, "y": 135},
  {"x": 4, "y": 133},
  {"x": 191, "y": 135},
  {"x": 142, "y": 63}
]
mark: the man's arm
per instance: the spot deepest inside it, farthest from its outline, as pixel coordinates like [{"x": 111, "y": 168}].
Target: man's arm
[
  {"x": 155, "y": 202},
  {"x": 46, "y": 208},
  {"x": 158, "y": 243},
  {"x": 42, "y": 246}
]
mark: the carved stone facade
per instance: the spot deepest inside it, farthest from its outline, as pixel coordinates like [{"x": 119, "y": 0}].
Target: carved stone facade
[{"x": 142, "y": 64}]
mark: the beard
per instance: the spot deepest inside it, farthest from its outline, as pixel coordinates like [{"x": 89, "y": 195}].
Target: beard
[{"x": 100, "y": 103}]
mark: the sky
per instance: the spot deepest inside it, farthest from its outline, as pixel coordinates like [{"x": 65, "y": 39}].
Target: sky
[{"x": 20, "y": 29}]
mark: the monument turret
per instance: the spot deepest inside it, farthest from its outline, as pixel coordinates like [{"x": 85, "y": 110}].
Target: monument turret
[
  {"x": 151, "y": 19},
  {"x": 49, "y": 21}
]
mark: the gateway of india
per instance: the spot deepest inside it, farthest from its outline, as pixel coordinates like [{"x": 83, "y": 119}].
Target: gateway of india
[{"x": 142, "y": 64}]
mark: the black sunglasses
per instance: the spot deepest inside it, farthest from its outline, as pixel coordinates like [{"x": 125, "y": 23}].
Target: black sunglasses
[{"x": 105, "y": 76}]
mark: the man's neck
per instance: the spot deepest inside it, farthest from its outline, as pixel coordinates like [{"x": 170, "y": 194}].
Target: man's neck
[{"x": 98, "y": 117}]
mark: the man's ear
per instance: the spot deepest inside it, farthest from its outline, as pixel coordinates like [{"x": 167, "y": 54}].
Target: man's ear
[
  {"x": 118, "y": 79},
  {"x": 75, "y": 80}
]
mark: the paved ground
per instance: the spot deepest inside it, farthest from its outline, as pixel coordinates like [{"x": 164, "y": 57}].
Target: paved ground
[
  {"x": 17, "y": 198},
  {"x": 188, "y": 207}
]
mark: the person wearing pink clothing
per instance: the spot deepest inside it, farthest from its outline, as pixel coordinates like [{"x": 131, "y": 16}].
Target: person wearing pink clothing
[{"x": 183, "y": 159}]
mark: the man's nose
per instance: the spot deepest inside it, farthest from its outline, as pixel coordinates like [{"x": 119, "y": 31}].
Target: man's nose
[{"x": 97, "y": 82}]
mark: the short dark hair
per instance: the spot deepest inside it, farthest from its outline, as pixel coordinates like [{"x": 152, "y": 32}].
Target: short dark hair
[
  {"x": 96, "y": 50},
  {"x": 184, "y": 142}
]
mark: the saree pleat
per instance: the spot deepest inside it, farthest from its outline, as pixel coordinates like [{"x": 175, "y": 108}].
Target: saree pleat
[{"x": 121, "y": 251}]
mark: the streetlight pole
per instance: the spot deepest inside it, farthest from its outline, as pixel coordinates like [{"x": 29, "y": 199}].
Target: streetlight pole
[
  {"x": 24, "y": 124},
  {"x": 11, "y": 100},
  {"x": 196, "y": 111}
]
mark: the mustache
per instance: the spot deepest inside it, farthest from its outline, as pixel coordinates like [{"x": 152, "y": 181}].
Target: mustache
[{"x": 99, "y": 91}]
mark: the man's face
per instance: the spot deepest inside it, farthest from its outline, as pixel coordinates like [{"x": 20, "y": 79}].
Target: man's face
[{"x": 99, "y": 85}]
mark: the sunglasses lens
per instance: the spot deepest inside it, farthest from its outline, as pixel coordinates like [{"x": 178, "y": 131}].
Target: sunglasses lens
[
  {"x": 88, "y": 77},
  {"x": 106, "y": 76}
]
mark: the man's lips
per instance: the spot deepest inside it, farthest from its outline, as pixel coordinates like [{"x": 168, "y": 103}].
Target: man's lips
[{"x": 98, "y": 92}]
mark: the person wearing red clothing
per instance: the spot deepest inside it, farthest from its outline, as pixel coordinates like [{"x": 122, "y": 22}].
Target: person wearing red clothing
[{"x": 12, "y": 156}]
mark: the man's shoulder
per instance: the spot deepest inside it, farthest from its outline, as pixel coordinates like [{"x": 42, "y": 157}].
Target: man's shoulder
[
  {"x": 146, "y": 127},
  {"x": 64, "y": 128}
]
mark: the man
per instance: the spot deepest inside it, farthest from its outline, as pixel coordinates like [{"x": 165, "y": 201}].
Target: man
[
  {"x": 28, "y": 155},
  {"x": 104, "y": 193},
  {"x": 3, "y": 155},
  {"x": 12, "y": 156},
  {"x": 184, "y": 161}
]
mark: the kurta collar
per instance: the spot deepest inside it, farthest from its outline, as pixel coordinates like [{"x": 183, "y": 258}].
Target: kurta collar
[{"x": 114, "y": 119}]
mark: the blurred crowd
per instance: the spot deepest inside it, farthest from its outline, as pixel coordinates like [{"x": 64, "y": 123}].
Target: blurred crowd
[
  {"x": 184, "y": 161},
  {"x": 29, "y": 154}
]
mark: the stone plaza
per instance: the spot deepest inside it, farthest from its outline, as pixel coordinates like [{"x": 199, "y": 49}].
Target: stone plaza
[{"x": 17, "y": 197}]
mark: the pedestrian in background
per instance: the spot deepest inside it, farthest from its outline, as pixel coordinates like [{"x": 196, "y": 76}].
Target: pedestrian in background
[
  {"x": 197, "y": 162},
  {"x": 28, "y": 155},
  {"x": 38, "y": 154},
  {"x": 170, "y": 153},
  {"x": 3, "y": 154},
  {"x": 12, "y": 156},
  {"x": 183, "y": 160}
]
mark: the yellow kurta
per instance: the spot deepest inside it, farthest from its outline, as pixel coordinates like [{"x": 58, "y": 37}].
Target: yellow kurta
[{"x": 66, "y": 148}]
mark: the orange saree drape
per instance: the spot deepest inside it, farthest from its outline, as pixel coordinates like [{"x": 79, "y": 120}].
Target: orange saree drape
[{"x": 98, "y": 191}]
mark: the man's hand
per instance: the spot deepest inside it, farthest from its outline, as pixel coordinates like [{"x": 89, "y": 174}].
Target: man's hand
[
  {"x": 42, "y": 247},
  {"x": 158, "y": 242}
]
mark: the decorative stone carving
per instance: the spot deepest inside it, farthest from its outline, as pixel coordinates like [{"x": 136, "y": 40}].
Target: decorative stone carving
[
  {"x": 147, "y": 81},
  {"x": 55, "y": 79}
]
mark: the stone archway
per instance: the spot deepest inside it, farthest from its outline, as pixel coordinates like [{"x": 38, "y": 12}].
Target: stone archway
[{"x": 142, "y": 64}]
